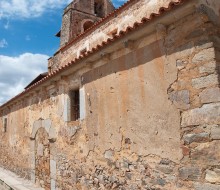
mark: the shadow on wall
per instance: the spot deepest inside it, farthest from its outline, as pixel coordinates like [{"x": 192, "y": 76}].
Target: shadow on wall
[{"x": 163, "y": 47}]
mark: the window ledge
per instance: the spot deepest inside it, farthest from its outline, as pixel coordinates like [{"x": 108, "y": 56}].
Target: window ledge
[{"x": 73, "y": 123}]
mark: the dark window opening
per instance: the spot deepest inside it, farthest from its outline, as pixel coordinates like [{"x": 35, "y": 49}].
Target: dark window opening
[
  {"x": 87, "y": 25},
  {"x": 5, "y": 125},
  {"x": 98, "y": 8},
  {"x": 74, "y": 105}
]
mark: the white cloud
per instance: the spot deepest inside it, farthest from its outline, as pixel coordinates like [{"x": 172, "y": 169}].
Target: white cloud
[
  {"x": 3, "y": 43},
  {"x": 19, "y": 9},
  {"x": 18, "y": 72},
  {"x": 6, "y": 26}
]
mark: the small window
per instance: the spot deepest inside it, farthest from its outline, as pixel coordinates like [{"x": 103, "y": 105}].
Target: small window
[
  {"x": 5, "y": 125},
  {"x": 74, "y": 105}
]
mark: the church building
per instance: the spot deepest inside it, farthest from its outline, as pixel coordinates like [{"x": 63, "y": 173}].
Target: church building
[{"x": 130, "y": 101}]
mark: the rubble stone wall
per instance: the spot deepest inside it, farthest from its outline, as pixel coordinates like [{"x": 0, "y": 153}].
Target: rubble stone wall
[{"x": 196, "y": 94}]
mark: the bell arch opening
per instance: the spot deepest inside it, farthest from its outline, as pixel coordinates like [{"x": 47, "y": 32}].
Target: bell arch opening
[
  {"x": 86, "y": 25},
  {"x": 99, "y": 6}
]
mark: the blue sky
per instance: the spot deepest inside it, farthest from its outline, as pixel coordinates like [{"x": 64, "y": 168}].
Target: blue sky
[{"x": 27, "y": 29}]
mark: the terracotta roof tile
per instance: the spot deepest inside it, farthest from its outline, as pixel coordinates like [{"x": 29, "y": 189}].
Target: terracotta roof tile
[{"x": 136, "y": 25}]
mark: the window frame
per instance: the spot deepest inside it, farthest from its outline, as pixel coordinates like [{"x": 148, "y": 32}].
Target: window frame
[{"x": 74, "y": 104}]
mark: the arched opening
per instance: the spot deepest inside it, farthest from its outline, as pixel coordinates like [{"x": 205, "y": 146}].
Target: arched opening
[
  {"x": 99, "y": 8},
  {"x": 87, "y": 25},
  {"x": 43, "y": 164},
  {"x": 42, "y": 159}
]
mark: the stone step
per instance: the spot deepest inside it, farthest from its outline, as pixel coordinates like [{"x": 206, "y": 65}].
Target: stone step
[{"x": 10, "y": 181}]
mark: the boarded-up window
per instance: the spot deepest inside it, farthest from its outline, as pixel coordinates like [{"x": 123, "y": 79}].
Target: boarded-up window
[{"x": 74, "y": 105}]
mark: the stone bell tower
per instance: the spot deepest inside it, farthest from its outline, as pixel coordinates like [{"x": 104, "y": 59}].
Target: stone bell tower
[{"x": 80, "y": 15}]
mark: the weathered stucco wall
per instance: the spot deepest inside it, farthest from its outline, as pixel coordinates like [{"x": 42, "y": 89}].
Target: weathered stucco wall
[
  {"x": 129, "y": 102},
  {"x": 149, "y": 115}
]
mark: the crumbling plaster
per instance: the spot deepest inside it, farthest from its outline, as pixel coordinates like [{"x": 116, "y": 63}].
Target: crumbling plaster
[{"x": 143, "y": 119}]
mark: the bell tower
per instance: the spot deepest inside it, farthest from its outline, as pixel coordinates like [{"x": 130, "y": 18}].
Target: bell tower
[{"x": 80, "y": 15}]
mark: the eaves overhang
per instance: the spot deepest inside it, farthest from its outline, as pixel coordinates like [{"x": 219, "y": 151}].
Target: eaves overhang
[{"x": 166, "y": 16}]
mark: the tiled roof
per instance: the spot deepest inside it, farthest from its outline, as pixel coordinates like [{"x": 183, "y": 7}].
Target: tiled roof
[
  {"x": 38, "y": 78},
  {"x": 98, "y": 24},
  {"x": 129, "y": 29}
]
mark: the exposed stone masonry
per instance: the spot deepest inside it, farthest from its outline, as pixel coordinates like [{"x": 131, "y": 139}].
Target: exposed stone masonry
[
  {"x": 198, "y": 71},
  {"x": 197, "y": 96},
  {"x": 42, "y": 160},
  {"x": 149, "y": 107}
]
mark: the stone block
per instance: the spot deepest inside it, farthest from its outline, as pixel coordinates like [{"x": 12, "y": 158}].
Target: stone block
[
  {"x": 185, "y": 49},
  {"x": 204, "y": 56},
  {"x": 213, "y": 176},
  {"x": 40, "y": 150},
  {"x": 109, "y": 154},
  {"x": 46, "y": 124},
  {"x": 52, "y": 134},
  {"x": 72, "y": 130},
  {"x": 190, "y": 173},
  {"x": 180, "y": 99},
  {"x": 210, "y": 95},
  {"x": 204, "y": 43},
  {"x": 185, "y": 150},
  {"x": 210, "y": 67},
  {"x": 160, "y": 182},
  {"x": 165, "y": 169},
  {"x": 180, "y": 64},
  {"x": 53, "y": 169},
  {"x": 32, "y": 160},
  {"x": 200, "y": 137},
  {"x": 206, "y": 186},
  {"x": 205, "y": 81},
  {"x": 215, "y": 132},
  {"x": 206, "y": 153},
  {"x": 36, "y": 126},
  {"x": 66, "y": 108},
  {"x": 32, "y": 145},
  {"x": 82, "y": 104},
  {"x": 207, "y": 114},
  {"x": 53, "y": 184},
  {"x": 33, "y": 176}
]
